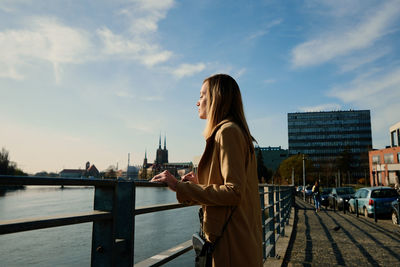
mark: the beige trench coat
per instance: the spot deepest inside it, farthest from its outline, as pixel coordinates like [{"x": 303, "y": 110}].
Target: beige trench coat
[{"x": 227, "y": 175}]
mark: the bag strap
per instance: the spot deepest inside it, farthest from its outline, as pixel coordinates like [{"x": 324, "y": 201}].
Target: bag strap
[{"x": 223, "y": 229}]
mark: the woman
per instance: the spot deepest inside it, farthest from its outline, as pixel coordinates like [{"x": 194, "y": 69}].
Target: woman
[
  {"x": 317, "y": 196},
  {"x": 226, "y": 185}
]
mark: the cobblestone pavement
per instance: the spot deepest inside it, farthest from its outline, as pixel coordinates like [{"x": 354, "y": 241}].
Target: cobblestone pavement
[{"x": 329, "y": 238}]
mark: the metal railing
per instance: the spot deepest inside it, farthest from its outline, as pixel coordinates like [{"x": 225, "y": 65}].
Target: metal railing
[
  {"x": 276, "y": 204},
  {"x": 114, "y": 214}
]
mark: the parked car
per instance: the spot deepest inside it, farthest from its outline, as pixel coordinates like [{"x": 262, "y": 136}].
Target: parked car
[
  {"x": 381, "y": 196},
  {"x": 396, "y": 211},
  {"x": 324, "y": 196},
  {"x": 340, "y": 196}
]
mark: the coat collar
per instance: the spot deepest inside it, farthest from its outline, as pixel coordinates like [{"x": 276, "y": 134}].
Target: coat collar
[{"x": 215, "y": 129}]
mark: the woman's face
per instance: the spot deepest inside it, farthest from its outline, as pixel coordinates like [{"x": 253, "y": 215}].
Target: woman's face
[{"x": 202, "y": 103}]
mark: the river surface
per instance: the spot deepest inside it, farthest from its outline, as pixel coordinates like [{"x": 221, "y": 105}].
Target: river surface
[{"x": 71, "y": 245}]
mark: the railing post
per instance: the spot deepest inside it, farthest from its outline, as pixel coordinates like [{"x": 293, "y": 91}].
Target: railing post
[
  {"x": 262, "y": 202},
  {"x": 357, "y": 207},
  {"x": 112, "y": 240},
  {"x": 288, "y": 204},
  {"x": 282, "y": 211},
  {"x": 271, "y": 214},
  {"x": 102, "y": 234},
  {"x": 124, "y": 224},
  {"x": 344, "y": 206},
  {"x": 278, "y": 210}
]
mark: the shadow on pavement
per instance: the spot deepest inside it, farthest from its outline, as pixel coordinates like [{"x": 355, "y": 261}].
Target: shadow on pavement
[
  {"x": 335, "y": 248},
  {"x": 289, "y": 250},
  {"x": 355, "y": 242},
  {"x": 379, "y": 243},
  {"x": 378, "y": 228}
]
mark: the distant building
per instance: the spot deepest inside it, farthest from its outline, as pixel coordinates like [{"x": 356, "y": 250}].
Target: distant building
[
  {"x": 161, "y": 164},
  {"x": 395, "y": 135},
  {"x": 273, "y": 156},
  {"x": 384, "y": 163},
  {"x": 90, "y": 172},
  {"x": 324, "y": 135},
  {"x": 72, "y": 173},
  {"x": 132, "y": 172}
]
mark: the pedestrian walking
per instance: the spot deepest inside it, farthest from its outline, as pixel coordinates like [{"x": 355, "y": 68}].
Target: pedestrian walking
[{"x": 317, "y": 196}]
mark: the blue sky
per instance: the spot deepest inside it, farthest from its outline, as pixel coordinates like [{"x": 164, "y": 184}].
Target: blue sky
[{"x": 95, "y": 80}]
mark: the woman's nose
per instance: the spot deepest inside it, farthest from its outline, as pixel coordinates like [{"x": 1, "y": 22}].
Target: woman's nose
[{"x": 198, "y": 103}]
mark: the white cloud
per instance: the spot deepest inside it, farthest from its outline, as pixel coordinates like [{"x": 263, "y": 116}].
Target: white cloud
[
  {"x": 147, "y": 14},
  {"x": 353, "y": 63},
  {"x": 45, "y": 40},
  {"x": 265, "y": 30},
  {"x": 134, "y": 49},
  {"x": 379, "y": 92},
  {"x": 269, "y": 81},
  {"x": 239, "y": 73},
  {"x": 343, "y": 41},
  {"x": 188, "y": 69},
  {"x": 338, "y": 8},
  {"x": 124, "y": 94},
  {"x": 143, "y": 17},
  {"x": 371, "y": 88},
  {"x": 322, "y": 107}
]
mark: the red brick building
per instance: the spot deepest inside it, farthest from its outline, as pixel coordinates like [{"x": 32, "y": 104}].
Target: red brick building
[{"x": 384, "y": 163}]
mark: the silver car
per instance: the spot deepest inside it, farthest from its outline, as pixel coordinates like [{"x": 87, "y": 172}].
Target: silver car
[{"x": 367, "y": 197}]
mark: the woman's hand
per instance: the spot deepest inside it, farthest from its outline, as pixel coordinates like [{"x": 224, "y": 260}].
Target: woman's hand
[
  {"x": 190, "y": 177},
  {"x": 166, "y": 178}
]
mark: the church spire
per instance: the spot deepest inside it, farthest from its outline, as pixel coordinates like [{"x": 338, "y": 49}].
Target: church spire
[
  {"x": 145, "y": 159},
  {"x": 165, "y": 142},
  {"x": 159, "y": 142}
]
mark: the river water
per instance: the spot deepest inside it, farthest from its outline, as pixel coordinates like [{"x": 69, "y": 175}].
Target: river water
[{"x": 71, "y": 245}]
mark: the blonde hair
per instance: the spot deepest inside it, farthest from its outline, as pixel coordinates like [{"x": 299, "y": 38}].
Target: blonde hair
[{"x": 225, "y": 101}]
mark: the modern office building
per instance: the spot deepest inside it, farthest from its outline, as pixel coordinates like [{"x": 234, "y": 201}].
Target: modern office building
[
  {"x": 384, "y": 163},
  {"x": 324, "y": 136}
]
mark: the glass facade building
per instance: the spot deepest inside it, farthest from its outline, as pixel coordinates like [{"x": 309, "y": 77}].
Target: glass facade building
[{"x": 323, "y": 136}]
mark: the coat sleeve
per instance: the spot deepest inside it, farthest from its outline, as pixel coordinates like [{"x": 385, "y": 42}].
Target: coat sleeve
[{"x": 233, "y": 153}]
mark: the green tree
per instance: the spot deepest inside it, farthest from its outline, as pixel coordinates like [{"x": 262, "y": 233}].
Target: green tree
[
  {"x": 4, "y": 161},
  {"x": 344, "y": 163},
  {"x": 264, "y": 174},
  {"x": 46, "y": 174},
  {"x": 110, "y": 173},
  {"x": 8, "y": 167},
  {"x": 295, "y": 163}
]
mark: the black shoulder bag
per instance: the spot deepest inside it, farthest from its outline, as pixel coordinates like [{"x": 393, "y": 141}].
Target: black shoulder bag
[{"x": 202, "y": 247}]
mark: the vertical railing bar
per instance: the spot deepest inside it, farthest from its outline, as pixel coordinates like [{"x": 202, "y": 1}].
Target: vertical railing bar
[
  {"x": 271, "y": 214},
  {"x": 277, "y": 210},
  {"x": 103, "y": 232},
  {"x": 262, "y": 202}
]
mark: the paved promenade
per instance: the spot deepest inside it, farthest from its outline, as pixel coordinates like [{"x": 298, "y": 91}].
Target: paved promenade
[{"x": 329, "y": 238}]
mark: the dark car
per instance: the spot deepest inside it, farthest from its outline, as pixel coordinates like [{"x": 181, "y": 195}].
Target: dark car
[
  {"x": 396, "y": 211},
  {"x": 339, "y": 197},
  {"x": 324, "y": 196}
]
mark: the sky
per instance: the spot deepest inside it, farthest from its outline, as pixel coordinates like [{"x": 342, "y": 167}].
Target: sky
[{"x": 94, "y": 80}]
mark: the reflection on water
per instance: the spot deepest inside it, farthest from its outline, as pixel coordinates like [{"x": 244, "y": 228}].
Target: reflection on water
[{"x": 71, "y": 245}]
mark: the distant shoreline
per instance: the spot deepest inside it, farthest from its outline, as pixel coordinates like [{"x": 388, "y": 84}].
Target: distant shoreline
[{"x": 4, "y": 189}]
